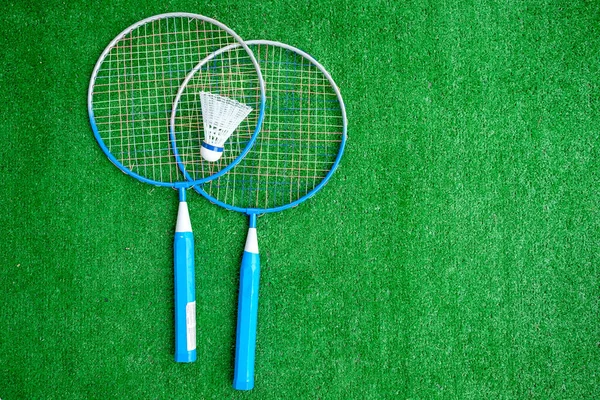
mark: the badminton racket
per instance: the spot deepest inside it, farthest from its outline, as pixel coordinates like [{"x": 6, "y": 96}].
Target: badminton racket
[
  {"x": 299, "y": 147},
  {"x": 130, "y": 98}
]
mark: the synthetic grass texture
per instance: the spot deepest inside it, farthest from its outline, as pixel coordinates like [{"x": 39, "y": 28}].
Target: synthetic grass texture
[{"x": 454, "y": 254}]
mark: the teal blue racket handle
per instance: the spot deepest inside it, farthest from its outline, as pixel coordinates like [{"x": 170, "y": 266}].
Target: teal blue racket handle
[
  {"x": 245, "y": 341},
  {"x": 185, "y": 291}
]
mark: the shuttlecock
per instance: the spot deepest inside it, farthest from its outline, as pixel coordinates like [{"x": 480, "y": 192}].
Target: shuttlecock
[{"x": 221, "y": 116}]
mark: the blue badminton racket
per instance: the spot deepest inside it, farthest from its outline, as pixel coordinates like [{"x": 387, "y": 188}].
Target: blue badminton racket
[
  {"x": 299, "y": 147},
  {"x": 130, "y": 98}
]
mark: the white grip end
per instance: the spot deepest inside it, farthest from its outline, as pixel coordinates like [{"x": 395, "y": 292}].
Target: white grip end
[
  {"x": 251, "y": 241},
  {"x": 183, "y": 219}
]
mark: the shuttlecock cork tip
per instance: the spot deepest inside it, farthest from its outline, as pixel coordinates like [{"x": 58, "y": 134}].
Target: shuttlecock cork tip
[{"x": 210, "y": 153}]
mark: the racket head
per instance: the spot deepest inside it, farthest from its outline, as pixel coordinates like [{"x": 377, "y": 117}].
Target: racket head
[
  {"x": 134, "y": 82},
  {"x": 302, "y": 140}
]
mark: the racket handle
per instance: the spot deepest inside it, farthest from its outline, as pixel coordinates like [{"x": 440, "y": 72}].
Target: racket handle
[
  {"x": 185, "y": 291},
  {"x": 245, "y": 340}
]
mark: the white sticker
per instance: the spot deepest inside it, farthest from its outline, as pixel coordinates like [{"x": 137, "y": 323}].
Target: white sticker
[{"x": 190, "y": 322}]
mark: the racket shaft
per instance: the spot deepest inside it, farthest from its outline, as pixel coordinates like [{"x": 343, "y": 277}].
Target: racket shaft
[
  {"x": 243, "y": 378},
  {"x": 185, "y": 292}
]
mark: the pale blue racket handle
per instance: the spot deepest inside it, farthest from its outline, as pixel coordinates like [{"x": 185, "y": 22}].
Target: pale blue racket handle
[
  {"x": 185, "y": 291},
  {"x": 245, "y": 341}
]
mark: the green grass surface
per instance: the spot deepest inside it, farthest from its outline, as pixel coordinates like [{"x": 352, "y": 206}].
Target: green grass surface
[{"x": 454, "y": 255}]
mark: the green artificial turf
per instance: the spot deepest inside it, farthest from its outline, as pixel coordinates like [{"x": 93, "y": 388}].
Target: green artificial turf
[{"x": 454, "y": 255}]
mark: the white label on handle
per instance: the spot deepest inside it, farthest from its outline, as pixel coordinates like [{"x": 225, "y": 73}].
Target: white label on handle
[{"x": 190, "y": 323}]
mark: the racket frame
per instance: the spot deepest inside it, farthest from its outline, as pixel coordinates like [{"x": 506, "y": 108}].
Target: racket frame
[
  {"x": 183, "y": 240},
  {"x": 243, "y": 378}
]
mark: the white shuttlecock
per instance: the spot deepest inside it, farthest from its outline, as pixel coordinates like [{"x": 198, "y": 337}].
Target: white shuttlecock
[{"x": 221, "y": 116}]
